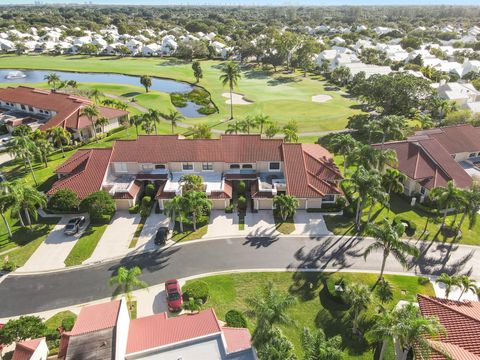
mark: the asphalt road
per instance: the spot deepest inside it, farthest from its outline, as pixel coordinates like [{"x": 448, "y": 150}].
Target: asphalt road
[{"x": 23, "y": 294}]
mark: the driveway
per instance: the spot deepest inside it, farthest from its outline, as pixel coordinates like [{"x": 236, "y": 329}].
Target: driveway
[
  {"x": 261, "y": 224},
  {"x": 223, "y": 225},
  {"x": 52, "y": 252},
  {"x": 311, "y": 224},
  {"x": 116, "y": 238},
  {"x": 146, "y": 240}
]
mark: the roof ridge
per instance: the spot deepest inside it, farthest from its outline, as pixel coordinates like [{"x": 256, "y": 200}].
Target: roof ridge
[
  {"x": 433, "y": 158},
  {"x": 434, "y": 299},
  {"x": 323, "y": 162}
]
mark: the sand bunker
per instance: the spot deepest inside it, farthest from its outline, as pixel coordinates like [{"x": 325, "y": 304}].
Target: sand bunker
[
  {"x": 321, "y": 98},
  {"x": 237, "y": 99}
]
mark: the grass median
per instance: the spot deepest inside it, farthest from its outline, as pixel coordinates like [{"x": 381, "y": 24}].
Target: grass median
[{"x": 85, "y": 245}]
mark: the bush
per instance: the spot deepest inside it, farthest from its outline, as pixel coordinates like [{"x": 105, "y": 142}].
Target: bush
[
  {"x": 9, "y": 266},
  {"x": 99, "y": 205},
  {"x": 242, "y": 202},
  {"x": 146, "y": 201},
  {"x": 114, "y": 131},
  {"x": 197, "y": 290},
  {"x": 423, "y": 280},
  {"x": 235, "y": 318},
  {"x": 150, "y": 190},
  {"x": 229, "y": 209},
  {"x": 241, "y": 187},
  {"x": 335, "y": 294},
  {"x": 178, "y": 100},
  {"x": 67, "y": 323},
  {"x": 133, "y": 209},
  {"x": 207, "y": 110},
  {"x": 64, "y": 200}
]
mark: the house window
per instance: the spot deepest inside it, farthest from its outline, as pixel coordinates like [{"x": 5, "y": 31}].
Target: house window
[
  {"x": 30, "y": 109},
  {"x": 423, "y": 191},
  {"x": 23, "y": 107},
  {"x": 472, "y": 155},
  {"x": 328, "y": 198},
  {"x": 207, "y": 166},
  {"x": 274, "y": 166},
  {"x": 160, "y": 166},
  {"x": 234, "y": 166},
  {"x": 121, "y": 167},
  {"x": 187, "y": 166},
  {"x": 247, "y": 166},
  {"x": 147, "y": 167}
]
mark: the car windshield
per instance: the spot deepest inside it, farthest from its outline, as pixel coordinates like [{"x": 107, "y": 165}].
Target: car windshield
[
  {"x": 69, "y": 226},
  {"x": 174, "y": 296}
]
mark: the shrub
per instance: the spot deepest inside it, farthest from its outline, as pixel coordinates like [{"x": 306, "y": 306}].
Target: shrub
[
  {"x": 68, "y": 323},
  {"x": 229, "y": 209},
  {"x": 241, "y": 187},
  {"x": 114, "y": 131},
  {"x": 178, "y": 100},
  {"x": 146, "y": 201},
  {"x": 64, "y": 200},
  {"x": 9, "y": 266},
  {"x": 423, "y": 280},
  {"x": 242, "y": 202},
  {"x": 197, "y": 290},
  {"x": 235, "y": 318},
  {"x": 332, "y": 286},
  {"x": 384, "y": 291},
  {"x": 133, "y": 209},
  {"x": 207, "y": 110},
  {"x": 150, "y": 190},
  {"x": 99, "y": 205}
]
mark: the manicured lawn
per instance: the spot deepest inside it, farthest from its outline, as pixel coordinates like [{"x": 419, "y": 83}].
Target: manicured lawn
[
  {"x": 138, "y": 231},
  {"x": 315, "y": 308},
  {"x": 282, "y": 96},
  {"x": 55, "y": 321},
  {"x": 85, "y": 245},
  {"x": 189, "y": 234},
  {"x": 284, "y": 227}
]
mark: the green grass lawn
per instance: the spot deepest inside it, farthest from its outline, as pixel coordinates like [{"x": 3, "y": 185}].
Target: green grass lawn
[
  {"x": 55, "y": 321},
  {"x": 284, "y": 97},
  {"x": 85, "y": 245},
  {"x": 284, "y": 227},
  {"x": 190, "y": 234},
  {"x": 314, "y": 308}
]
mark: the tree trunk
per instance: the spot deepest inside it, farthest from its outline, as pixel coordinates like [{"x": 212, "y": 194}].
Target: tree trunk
[
  {"x": 461, "y": 294},
  {"x": 384, "y": 262},
  {"x": 173, "y": 129},
  {"x": 382, "y": 351},
  {"x": 344, "y": 164},
  {"x": 181, "y": 224},
  {"x": 61, "y": 147},
  {"x": 383, "y": 140},
  {"x": 7, "y": 225},
  {"x": 231, "y": 102},
  {"x": 45, "y": 160},
  {"x": 445, "y": 216},
  {"x": 462, "y": 220},
  {"x": 27, "y": 216},
  {"x": 359, "y": 213},
  {"x": 399, "y": 352},
  {"x": 194, "y": 221},
  {"x": 94, "y": 132},
  {"x": 33, "y": 172}
]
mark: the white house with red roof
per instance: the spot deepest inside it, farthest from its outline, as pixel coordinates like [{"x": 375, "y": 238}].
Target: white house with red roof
[
  {"x": 44, "y": 109},
  {"x": 105, "y": 331},
  {"x": 268, "y": 166},
  {"x": 35, "y": 349}
]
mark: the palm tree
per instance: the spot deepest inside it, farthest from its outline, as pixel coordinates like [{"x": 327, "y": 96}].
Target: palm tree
[
  {"x": 27, "y": 200},
  {"x": 249, "y": 123},
  {"x": 445, "y": 197},
  {"x": 234, "y": 128},
  {"x": 148, "y": 124},
  {"x": 95, "y": 94},
  {"x": 289, "y": 134},
  {"x": 53, "y": 80},
  {"x": 59, "y": 136},
  {"x": 366, "y": 156},
  {"x": 358, "y": 297},
  {"x": 44, "y": 148},
  {"x": 230, "y": 76},
  {"x": 262, "y": 121},
  {"x": 91, "y": 112},
  {"x": 393, "y": 181},
  {"x": 276, "y": 347},
  {"x": 388, "y": 240},
  {"x": 385, "y": 158},
  {"x": 344, "y": 144},
  {"x": 174, "y": 208},
  {"x": 376, "y": 195},
  {"x": 286, "y": 205},
  {"x": 200, "y": 131},
  {"x": 6, "y": 202},
  {"x": 102, "y": 122},
  {"x": 126, "y": 281},
  {"x": 136, "y": 120},
  {"x": 146, "y": 81},
  {"x": 196, "y": 202},
  {"x": 391, "y": 126},
  {"x": 155, "y": 116},
  {"x": 269, "y": 309},
  {"x": 174, "y": 117},
  {"x": 449, "y": 281},
  {"x": 23, "y": 148},
  {"x": 467, "y": 285},
  {"x": 317, "y": 347},
  {"x": 383, "y": 329},
  {"x": 470, "y": 199}
]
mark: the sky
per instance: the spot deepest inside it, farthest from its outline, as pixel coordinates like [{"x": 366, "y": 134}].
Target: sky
[{"x": 252, "y": 2}]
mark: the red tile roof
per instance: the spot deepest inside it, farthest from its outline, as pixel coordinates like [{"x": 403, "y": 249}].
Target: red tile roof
[
  {"x": 66, "y": 107},
  {"x": 225, "y": 194},
  {"x": 86, "y": 170},
  {"x": 237, "y": 339},
  {"x": 427, "y": 162},
  {"x": 461, "y": 321},
  {"x": 455, "y": 139},
  {"x": 157, "y": 331},
  {"x": 131, "y": 193},
  {"x": 96, "y": 317},
  {"x": 25, "y": 349}
]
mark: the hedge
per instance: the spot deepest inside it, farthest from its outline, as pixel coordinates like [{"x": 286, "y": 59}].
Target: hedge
[
  {"x": 235, "y": 318},
  {"x": 196, "y": 290}
]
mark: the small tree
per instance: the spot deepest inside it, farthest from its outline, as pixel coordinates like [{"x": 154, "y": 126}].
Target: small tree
[
  {"x": 359, "y": 297},
  {"x": 59, "y": 136},
  {"x": 99, "y": 205},
  {"x": 126, "y": 281},
  {"x": 23, "y": 328},
  {"x": 191, "y": 182},
  {"x": 102, "y": 122},
  {"x": 146, "y": 81},
  {"x": 64, "y": 200},
  {"x": 316, "y": 346},
  {"x": 91, "y": 112},
  {"x": 449, "y": 281},
  {"x": 286, "y": 205},
  {"x": 197, "y": 70}
]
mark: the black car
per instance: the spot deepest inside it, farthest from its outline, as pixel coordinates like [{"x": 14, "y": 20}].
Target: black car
[
  {"x": 74, "y": 225},
  {"x": 161, "y": 236}
]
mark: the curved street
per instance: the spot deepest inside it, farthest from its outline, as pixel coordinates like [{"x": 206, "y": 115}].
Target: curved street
[{"x": 24, "y": 294}]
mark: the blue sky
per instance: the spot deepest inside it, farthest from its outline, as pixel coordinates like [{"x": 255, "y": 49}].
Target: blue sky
[{"x": 253, "y": 2}]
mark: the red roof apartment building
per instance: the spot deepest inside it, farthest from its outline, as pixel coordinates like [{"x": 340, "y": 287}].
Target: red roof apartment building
[
  {"x": 45, "y": 109},
  {"x": 268, "y": 166},
  {"x": 432, "y": 158},
  {"x": 461, "y": 320}
]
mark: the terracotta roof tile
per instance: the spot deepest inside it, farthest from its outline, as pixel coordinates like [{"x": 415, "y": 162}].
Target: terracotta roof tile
[
  {"x": 131, "y": 193},
  {"x": 237, "y": 339},
  {"x": 25, "y": 349},
  {"x": 456, "y": 138},
  {"x": 96, "y": 317}
]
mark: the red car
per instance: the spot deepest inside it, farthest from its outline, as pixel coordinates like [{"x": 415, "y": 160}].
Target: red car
[{"x": 174, "y": 295}]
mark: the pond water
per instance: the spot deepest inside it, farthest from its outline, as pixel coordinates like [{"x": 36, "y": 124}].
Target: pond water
[{"x": 163, "y": 85}]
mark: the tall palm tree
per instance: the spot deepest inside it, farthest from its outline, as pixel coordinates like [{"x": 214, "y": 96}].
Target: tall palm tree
[
  {"x": 44, "y": 149},
  {"x": 391, "y": 126},
  {"x": 249, "y": 123},
  {"x": 27, "y": 200},
  {"x": 393, "y": 181},
  {"x": 467, "y": 285},
  {"x": 269, "y": 308},
  {"x": 449, "y": 281},
  {"x": 388, "y": 240},
  {"x": 344, "y": 144},
  {"x": 290, "y": 135},
  {"x": 24, "y": 149},
  {"x": 262, "y": 121},
  {"x": 386, "y": 158},
  {"x": 59, "y": 136},
  {"x": 383, "y": 329},
  {"x": 470, "y": 199},
  {"x": 53, "y": 80},
  {"x": 148, "y": 123},
  {"x": 136, "y": 120},
  {"x": 230, "y": 76},
  {"x": 91, "y": 112},
  {"x": 156, "y": 116},
  {"x": 317, "y": 347},
  {"x": 196, "y": 202},
  {"x": 102, "y": 122},
  {"x": 366, "y": 156},
  {"x": 376, "y": 195},
  {"x": 175, "y": 208},
  {"x": 200, "y": 131},
  {"x": 358, "y": 297},
  {"x": 286, "y": 205},
  {"x": 174, "y": 117},
  {"x": 234, "y": 127},
  {"x": 95, "y": 94},
  {"x": 446, "y": 197},
  {"x": 126, "y": 281},
  {"x": 6, "y": 202}
]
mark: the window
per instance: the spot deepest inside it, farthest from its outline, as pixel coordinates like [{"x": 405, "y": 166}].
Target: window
[
  {"x": 234, "y": 166},
  {"x": 121, "y": 167},
  {"x": 328, "y": 198},
  {"x": 273, "y": 166},
  {"x": 247, "y": 166},
  {"x": 472, "y": 155},
  {"x": 423, "y": 191},
  {"x": 207, "y": 166},
  {"x": 160, "y": 166},
  {"x": 23, "y": 107},
  {"x": 187, "y": 166},
  {"x": 30, "y": 109},
  {"x": 147, "y": 167}
]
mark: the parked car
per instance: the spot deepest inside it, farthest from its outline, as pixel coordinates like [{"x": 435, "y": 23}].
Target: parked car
[
  {"x": 74, "y": 225},
  {"x": 174, "y": 295},
  {"x": 161, "y": 236}
]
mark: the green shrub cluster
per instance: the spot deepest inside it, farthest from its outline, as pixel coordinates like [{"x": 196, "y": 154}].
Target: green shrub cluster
[
  {"x": 64, "y": 200},
  {"x": 197, "y": 290},
  {"x": 100, "y": 206},
  {"x": 67, "y": 323},
  {"x": 178, "y": 100},
  {"x": 235, "y": 318}
]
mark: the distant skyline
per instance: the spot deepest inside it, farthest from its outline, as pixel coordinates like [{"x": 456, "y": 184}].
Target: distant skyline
[{"x": 250, "y": 2}]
